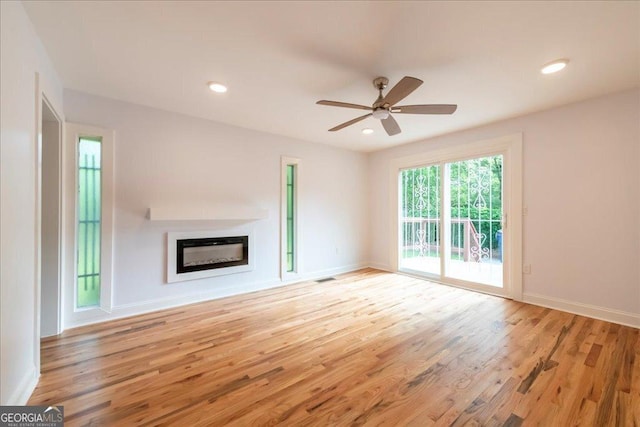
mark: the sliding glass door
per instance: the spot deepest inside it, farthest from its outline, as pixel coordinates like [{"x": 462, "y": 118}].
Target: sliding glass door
[
  {"x": 451, "y": 217},
  {"x": 420, "y": 247},
  {"x": 475, "y": 214}
]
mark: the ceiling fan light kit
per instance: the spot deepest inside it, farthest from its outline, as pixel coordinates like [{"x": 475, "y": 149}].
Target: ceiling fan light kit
[
  {"x": 380, "y": 113},
  {"x": 384, "y": 106}
]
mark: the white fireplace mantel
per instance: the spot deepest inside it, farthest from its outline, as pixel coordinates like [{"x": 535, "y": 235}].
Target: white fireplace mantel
[{"x": 207, "y": 213}]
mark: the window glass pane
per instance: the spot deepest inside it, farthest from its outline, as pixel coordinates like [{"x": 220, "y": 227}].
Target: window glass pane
[
  {"x": 420, "y": 219},
  {"x": 476, "y": 220},
  {"x": 290, "y": 217},
  {"x": 89, "y": 222}
]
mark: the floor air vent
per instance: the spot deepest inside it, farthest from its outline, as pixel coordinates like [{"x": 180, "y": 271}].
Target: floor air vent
[{"x": 326, "y": 279}]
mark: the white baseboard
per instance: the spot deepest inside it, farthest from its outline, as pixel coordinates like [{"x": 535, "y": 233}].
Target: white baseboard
[
  {"x": 383, "y": 267},
  {"x": 601, "y": 313},
  {"x": 127, "y": 310},
  {"x": 332, "y": 272},
  {"x": 22, "y": 393},
  {"x": 596, "y": 312}
]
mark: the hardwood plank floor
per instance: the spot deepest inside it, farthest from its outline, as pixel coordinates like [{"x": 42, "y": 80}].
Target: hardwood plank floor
[{"x": 370, "y": 348}]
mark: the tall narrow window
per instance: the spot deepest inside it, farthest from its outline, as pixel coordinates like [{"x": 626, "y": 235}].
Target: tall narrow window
[
  {"x": 88, "y": 178},
  {"x": 289, "y": 218},
  {"x": 89, "y": 234},
  {"x": 291, "y": 207}
]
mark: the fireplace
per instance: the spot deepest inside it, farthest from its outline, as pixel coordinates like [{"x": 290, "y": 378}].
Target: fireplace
[
  {"x": 211, "y": 252},
  {"x": 206, "y": 254}
]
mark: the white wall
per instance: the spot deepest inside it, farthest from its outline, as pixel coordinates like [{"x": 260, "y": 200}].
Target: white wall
[
  {"x": 50, "y": 230},
  {"x": 22, "y": 56},
  {"x": 581, "y": 188},
  {"x": 166, "y": 159},
  {"x": 582, "y": 192}
]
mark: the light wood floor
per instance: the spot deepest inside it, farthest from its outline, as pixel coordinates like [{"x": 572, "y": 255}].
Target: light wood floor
[{"x": 370, "y": 348}]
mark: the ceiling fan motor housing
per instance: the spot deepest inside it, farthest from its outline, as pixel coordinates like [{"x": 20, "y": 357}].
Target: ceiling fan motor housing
[{"x": 380, "y": 108}]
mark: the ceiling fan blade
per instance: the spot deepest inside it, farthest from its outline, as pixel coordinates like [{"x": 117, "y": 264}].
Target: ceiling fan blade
[
  {"x": 343, "y": 104},
  {"x": 349, "y": 123},
  {"x": 391, "y": 126},
  {"x": 401, "y": 90},
  {"x": 426, "y": 109}
]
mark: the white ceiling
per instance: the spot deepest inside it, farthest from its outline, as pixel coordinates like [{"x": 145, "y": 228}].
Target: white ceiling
[{"x": 279, "y": 58}]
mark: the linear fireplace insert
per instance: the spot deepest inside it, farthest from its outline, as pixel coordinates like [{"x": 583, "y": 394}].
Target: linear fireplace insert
[
  {"x": 211, "y": 252},
  {"x": 206, "y": 254}
]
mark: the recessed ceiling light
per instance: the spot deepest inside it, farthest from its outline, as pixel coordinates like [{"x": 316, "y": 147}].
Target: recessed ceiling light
[
  {"x": 217, "y": 87},
  {"x": 555, "y": 66},
  {"x": 367, "y": 131}
]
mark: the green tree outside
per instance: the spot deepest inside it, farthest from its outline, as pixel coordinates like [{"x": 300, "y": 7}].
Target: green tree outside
[{"x": 475, "y": 188}]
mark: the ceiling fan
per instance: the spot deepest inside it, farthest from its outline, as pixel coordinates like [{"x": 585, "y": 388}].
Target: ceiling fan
[{"x": 384, "y": 106}]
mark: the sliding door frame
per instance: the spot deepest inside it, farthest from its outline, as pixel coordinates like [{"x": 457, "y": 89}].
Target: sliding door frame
[{"x": 510, "y": 147}]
